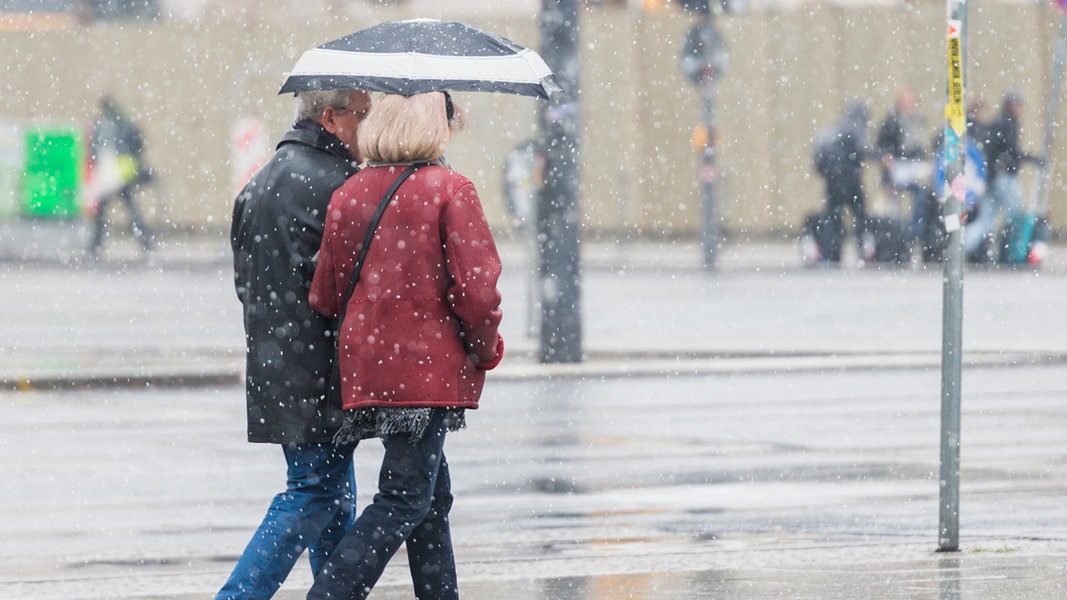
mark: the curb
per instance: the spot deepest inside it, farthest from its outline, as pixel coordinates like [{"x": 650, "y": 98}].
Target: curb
[
  {"x": 164, "y": 377},
  {"x": 603, "y": 365}
]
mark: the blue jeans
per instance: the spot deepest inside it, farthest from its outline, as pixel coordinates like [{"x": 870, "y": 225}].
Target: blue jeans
[
  {"x": 920, "y": 198},
  {"x": 1005, "y": 195},
  {"x": 411, "y": 507},
  {"x": 314, "y": 512}
]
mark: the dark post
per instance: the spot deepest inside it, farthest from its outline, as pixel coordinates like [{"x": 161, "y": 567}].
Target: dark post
[
  {"x": 1044, "y": 173},
  {"x": 709, "y": 235},
  {"x": 558, "y": 216},
  {"x": 703, "y": 59}
]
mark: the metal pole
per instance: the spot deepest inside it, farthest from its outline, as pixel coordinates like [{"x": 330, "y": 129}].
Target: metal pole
[
  {"x": 703, "y": 60},
  {"x": 952, "y": 309},
  {"x": 1044, "y": 173},
  {"x": 558, "y": 215},
  {"x": 709, "y": 237}
]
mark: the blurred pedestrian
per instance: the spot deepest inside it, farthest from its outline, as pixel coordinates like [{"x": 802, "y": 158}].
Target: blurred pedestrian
[
  {"x": 975, "y": 163},
  {"x": 978, "y": 126},
  {"x": 840, "y": 152},
  {"x": 1004, "y": 157},
  {"x": 116, "y": 146},
  {"x": 905, "y": 168},
  {"x": 419, "y": 334},
  {"x": 278, "y": 220}
]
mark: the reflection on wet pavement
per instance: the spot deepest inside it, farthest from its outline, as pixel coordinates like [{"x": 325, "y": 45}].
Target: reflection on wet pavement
[
  {"x": 806, "y": 486},
  {"x": 824, "y": 488}
]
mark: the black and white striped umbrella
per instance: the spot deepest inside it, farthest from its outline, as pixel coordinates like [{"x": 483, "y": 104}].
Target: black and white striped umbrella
[{"x": 423, "y": 55}]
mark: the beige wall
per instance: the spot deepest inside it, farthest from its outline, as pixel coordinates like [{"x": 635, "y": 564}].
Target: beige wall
[{"x": 789, "y": 73}]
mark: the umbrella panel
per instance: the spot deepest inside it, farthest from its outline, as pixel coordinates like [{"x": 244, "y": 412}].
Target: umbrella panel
[
  {"x": 425, "y": 36},
  {"x": 423, "y": 55}
]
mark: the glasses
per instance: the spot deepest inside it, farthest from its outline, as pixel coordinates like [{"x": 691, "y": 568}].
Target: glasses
[{"x": 359, "y": 114}]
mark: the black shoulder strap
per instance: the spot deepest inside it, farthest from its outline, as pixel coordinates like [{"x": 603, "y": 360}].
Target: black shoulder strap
[{"x": 367, "y": 237}]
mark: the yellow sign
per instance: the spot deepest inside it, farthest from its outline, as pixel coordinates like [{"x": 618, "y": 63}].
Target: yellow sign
[{"x": 954, "y": 110}]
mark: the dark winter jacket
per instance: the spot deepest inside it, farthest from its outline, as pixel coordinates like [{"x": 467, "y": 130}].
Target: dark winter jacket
[
  {"x": 114, "y": 131},
  {"x": 900, "y": 136},
  {"x": 277, "y": 228},
  {"x": 420, "y": 328},
  {"x": 1002, "y": 147},
  {"x": 841, "y": 149}
]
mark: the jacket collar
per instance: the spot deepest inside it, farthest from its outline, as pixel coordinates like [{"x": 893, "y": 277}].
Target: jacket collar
[
  {"x": 312, "y": 134},
  {"x": 438, "y": 162}
]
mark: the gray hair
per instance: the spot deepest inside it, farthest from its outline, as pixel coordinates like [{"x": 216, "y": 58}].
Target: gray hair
[{"x": 311, "y": 104}]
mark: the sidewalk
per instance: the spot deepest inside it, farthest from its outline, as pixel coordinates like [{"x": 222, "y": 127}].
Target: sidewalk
[
  {"x": 807, "y": 486},
  {"x": 764, "y": 430},
  {"x": 56, "y": 247},
  {"x": 50, "y": 265}
]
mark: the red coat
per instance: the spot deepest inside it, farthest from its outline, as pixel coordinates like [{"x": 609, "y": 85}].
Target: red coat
[{"x": 421, "y": 326}]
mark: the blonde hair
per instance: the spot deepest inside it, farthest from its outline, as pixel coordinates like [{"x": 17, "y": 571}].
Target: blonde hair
[{"x": 405, "y": 128}]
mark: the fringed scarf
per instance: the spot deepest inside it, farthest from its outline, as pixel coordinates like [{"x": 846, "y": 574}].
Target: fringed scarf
[{"x": 375, "y": 421}]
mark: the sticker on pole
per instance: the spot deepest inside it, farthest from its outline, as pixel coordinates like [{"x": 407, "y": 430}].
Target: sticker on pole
[{"x": 954, "y": 110}]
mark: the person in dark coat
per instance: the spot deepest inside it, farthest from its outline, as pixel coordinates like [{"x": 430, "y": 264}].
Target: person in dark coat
[
  {"x": 277, "y": 226},
  {"x": 843, "y": 150},
  {"x": 117, "y": 142},
  {"x": 1004, "y": 157},
  {"x": 419, "y": 333},
  {"x": 905, "y": 169}
]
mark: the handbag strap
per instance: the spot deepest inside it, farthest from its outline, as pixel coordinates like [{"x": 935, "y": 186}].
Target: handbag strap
[{"x": 367, "y": 237}]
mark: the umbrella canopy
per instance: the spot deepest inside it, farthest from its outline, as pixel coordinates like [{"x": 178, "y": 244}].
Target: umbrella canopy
[{"x": 423, "y": 55}]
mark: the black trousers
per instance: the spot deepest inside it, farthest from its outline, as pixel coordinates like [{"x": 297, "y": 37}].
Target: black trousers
[
  {"x": 137, "y": 223},
  {"x": 844, "y": 193}
]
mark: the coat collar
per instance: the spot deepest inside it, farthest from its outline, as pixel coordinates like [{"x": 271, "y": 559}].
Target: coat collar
[{"x": 312, "y": 134}]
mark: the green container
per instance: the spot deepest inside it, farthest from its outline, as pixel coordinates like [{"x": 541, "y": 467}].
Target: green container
[{"x": 51, "y": 181}]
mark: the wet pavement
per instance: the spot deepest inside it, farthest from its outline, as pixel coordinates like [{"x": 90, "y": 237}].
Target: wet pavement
[{"x": 763, "y": 431}]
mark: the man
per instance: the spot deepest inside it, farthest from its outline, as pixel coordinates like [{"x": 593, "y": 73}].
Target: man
[
  {"x": 278, "y": 220},
  {"x": 905, "y": 169},
  {"x": 117, "y": 146},
  {"x": 840, "y": 151},
  {"x": 1004, "y": 194}
]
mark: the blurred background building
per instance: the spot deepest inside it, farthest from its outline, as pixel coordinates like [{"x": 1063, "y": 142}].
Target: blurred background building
[
  {"x": 73, "y": 10},
  {"x": 201, "y": 77}
]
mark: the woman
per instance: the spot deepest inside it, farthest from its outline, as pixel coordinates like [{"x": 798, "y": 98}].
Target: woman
[{"x": 419, "y": 333}]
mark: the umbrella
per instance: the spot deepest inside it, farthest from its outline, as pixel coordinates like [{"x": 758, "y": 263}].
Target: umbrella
[{"x": 423, "y": 55}]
